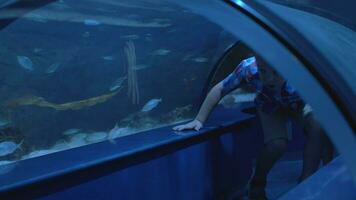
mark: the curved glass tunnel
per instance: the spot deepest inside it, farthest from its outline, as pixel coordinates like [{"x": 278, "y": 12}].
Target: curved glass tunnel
[{"x": 90, "y": 91}]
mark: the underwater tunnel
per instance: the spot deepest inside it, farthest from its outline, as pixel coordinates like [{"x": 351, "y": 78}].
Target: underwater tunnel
[{"x": 90, "y": 91}]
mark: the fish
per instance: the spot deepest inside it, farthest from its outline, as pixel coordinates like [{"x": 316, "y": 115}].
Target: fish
[
  {"x": 71, "y": 131},
  {"x": 78, "y": 136},
  {"x": 59, "y": 146},
  {"x": 151, "y": 104},
  {"x": 141, "y": 66},
  {"x": 118, "y": 132},
  {"x": 77, "y": 140},
  {"x": 96, "y": 137},
  {"x": 52, "y": 68},
  {"x": 118, "y": 83},
  {"x": 38, "y": 18},
  {"x": 91, "y": 22},
  {"x": 4, "y": 122},
  {"x": 108, "y": 58},
  {"x": 86, "y": 34},
  {"x": 130, "y": 37},
  {"x": 8, "y": 147},
  {"x": 25, "y": 62},
  {"x": 37, "y": 50},
  {"x": 160, "y": 52},
  {"x": 200, "y": 59}
]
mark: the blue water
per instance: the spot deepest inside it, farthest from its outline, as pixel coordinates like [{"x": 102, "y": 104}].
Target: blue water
[{"x": 58, "y": 33}]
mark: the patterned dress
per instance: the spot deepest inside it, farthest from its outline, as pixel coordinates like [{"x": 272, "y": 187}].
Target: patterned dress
[{"x": 273, "y": 92}]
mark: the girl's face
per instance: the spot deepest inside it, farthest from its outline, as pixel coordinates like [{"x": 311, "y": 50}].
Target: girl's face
[{"x": 267, "y": 74}]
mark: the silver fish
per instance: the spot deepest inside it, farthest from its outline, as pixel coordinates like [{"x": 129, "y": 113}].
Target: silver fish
[
  {"x": 118, "y": 83},
  {"x": 118, "y": 132},
  {"x": 91, "y": 22},
  {"x": 200, "y": 59},
  {"x": 108, "y": 58},
  {"x": 39, "y": 18},
  {"x": 9, "y": 147},
  {"x": 37, "y": 50},
  {"x": 141, "y": 66},
  {"x": 4, "y": 122},
  {"x": 96, "y": 137},
  {"x": 151, "y": 104},
  {"x": 160, "y": 52},
  {"x": 86, "y": 34},
  {"x": 130, "y": 37},
  {"x": 52, "y": 68},
  {"x": 77, "y": 140},
  {"x": 25, "y": 62},
  {"x": 71, "y": 131}
]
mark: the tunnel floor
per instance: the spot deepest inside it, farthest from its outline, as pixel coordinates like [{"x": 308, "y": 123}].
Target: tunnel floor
[{"x": 283, "y": 176}]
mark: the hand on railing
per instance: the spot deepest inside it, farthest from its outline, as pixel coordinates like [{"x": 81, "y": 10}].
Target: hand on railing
[{"x": 195, "y": 124}]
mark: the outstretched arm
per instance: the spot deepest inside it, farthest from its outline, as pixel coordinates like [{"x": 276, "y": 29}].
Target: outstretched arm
[
  {"x": 217, "y": 92},
  {"x": 209, "y": 103}
]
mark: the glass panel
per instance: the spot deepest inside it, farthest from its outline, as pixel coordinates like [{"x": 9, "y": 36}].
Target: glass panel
[
  {"x": 335, "y": 41},
  {"x": 79, "y": 72},
  {"x": 333, "y": 10}
]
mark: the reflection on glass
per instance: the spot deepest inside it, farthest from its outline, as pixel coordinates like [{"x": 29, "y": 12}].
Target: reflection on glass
[{"x": 79, "y": 72}]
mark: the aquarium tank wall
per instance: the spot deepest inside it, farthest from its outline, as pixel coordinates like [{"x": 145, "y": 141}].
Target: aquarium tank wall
[{"x": 73, "y": 73}]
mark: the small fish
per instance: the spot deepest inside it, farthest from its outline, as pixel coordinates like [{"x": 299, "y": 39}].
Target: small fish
[
  {"x": 36, "y": 17},
  {"x": 78, "y": 136},
  {"x": 4, "y": 122},
  {"x": 108, "y": 58},
  {"x": 52, "y": 68},
  {"x": 96, "y": 137},
  {"x": 151, "y": 104},
  {"x": 91, "y": 22},
  {"x": 130, "y": 37},
  {"x": 77, "y": 140},
  {"x": 161, "y": 20},
  {"x": 25, "y": 62},
  {"x": 117, "y": 84},
  {"x": 37, "y": 50},
  {"x": 71, "y": 131},
  {"x": 118, "y": 132},
  {"x": 9, "y": 147},
  {"x": 86, "y": 34},
  {"x": 113, "y": 134},
  {"x": 200, "y": 59},
  {"x": 160, "y": 52},
  {"x": 59, "y": 146},
  {"x": 39, "y": 19},
  {"x": 141, "y": 66},
  {"x": 172, "y": 31},
  {"x": 149, "y": 39}
]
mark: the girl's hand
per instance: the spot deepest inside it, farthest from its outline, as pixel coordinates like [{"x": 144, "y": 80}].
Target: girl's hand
[{"x": 195, "y": 124}]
